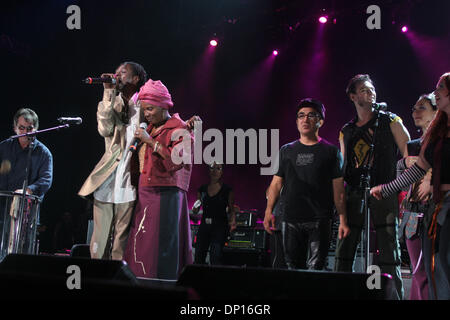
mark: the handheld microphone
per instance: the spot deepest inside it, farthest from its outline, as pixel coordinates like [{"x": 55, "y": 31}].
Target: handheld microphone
[
  {"x": 76, "y": 120},
  {"x": 380, "y": 106},
  {"x": 90, "y": 80},
  {"x": 136, "y": 141},
  {"x": 197, "y": 204}
]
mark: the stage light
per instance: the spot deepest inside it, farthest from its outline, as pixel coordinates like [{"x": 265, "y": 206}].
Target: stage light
[
  {"x": 404, "y": 29},
  {"x": 275, "y": 52},
  {"x": 323, "y": 19},
  {"x": 213, "y": 43}
]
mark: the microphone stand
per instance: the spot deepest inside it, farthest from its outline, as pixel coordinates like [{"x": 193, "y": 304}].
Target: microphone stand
[
  {"x": 365, "y": 186},
  {"x": 31, "y": 136},
  {"x": 37, "y": 132}
]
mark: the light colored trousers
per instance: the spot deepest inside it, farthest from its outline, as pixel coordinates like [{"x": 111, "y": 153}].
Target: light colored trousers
[{"x": 111, "y": 228}]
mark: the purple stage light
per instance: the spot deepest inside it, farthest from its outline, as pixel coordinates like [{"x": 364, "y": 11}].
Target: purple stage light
[
  {"x": 323, "y": 19},
  {"x": 275, "y": 52},
  {"x": 213, "y": 43},
  {"x": 404, "y": 29}
]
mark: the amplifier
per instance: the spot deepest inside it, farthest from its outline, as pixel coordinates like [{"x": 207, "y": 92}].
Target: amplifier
[
  {"x": 245, "y": 219},
  {"x": 247, "y": 239}
]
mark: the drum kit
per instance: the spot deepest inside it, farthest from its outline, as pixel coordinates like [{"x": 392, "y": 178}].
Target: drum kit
[
  {"x": 20, "y": 218},
  {"x": 19, "y": 211}
]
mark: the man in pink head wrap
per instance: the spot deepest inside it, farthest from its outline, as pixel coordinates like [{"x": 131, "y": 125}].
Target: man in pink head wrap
[{"x": 159, "y": 243}]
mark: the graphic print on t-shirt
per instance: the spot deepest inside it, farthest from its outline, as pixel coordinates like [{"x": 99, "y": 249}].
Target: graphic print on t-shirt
[
  {"x": 308, "y": 172},
  {"x": 361, "y": 149},
  {"x": 304, "y": 159}
]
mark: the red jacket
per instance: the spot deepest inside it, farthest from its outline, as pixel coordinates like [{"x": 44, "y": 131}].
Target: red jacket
[{"x": 158, "y": 172}]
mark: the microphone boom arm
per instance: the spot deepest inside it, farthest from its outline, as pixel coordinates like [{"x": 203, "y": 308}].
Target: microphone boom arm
[{"x": 38, "y": 131}]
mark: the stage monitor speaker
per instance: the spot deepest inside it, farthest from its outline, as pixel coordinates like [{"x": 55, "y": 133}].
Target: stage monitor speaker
[
  {"x": 62, "y": 277},
  {"x": 80, "y": 250},
  {"x": 226, "y": 282}
]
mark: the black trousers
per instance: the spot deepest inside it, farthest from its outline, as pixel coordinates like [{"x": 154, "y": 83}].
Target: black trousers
[
  {"x": 210, "y": 237},
  {"x": 276, "y": 250},
  {"x": 299, "y": 239}
]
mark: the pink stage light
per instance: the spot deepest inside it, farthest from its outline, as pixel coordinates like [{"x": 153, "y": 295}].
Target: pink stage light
[
  {"x": 404, "y": 29},
  {"x": 213, "y": 43},
  {"x": 323, "y": 19},
  {"x": 275, "y": 52}
]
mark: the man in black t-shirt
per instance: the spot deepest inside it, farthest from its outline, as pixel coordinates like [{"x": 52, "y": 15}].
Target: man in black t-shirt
[{"x": 310, "y": 173}]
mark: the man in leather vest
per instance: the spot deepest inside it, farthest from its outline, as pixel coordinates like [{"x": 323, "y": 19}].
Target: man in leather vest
[{"x": 355, "y": 139}]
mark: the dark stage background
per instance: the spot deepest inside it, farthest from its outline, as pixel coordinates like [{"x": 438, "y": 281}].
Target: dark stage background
[{"x": 238, "y": 84}]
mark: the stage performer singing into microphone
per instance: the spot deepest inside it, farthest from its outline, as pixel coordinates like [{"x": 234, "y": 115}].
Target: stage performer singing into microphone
[
  {"x": 159, "y": 244},
  {"x": 114, "y": 179},
  {"x": 355, "y": 139},
  {"x": 112, "y": 183}
]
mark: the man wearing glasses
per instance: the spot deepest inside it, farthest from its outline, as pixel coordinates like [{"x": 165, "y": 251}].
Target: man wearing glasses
[
  {"x": 14, "y": 155},
  {"x": 310, "y": 173}
]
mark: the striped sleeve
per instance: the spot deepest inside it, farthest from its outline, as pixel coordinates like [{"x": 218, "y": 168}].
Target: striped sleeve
[
  {"x": 401, "y": 167},
  {"x": 411, "y": 175}
]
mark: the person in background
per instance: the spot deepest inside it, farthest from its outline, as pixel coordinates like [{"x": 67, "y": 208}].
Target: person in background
[
  {"x": 417, "y": 199},
  {"x": 435, "y": 154},
  {"x": 218, "y": 219}
]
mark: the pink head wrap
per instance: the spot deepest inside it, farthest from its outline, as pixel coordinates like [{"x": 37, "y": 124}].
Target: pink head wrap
[{"x": 156, "y": 93}]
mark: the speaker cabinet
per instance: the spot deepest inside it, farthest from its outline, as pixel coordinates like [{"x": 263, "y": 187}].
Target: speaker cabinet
[{"x": 55, "y": 277}]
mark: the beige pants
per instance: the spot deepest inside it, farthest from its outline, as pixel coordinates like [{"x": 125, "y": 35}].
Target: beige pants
[{"x": 111, "y": 228}]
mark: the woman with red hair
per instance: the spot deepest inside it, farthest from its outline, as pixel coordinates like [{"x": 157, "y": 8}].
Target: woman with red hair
[{"x": 435, "y": 154}]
